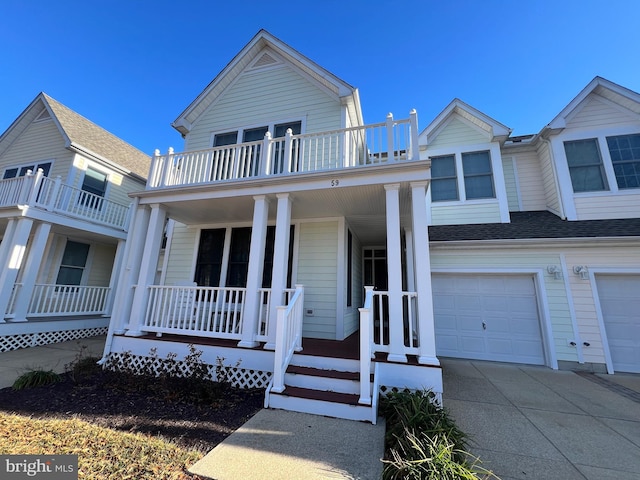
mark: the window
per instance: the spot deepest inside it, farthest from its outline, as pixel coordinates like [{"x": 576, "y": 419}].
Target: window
[
  {"x": 478, "y": 177},
  {"x": 585, "y": 165},
  {"x": 74, "y": 260},
  {"x": 209, "y": 261},
  {"x": 444, "y": 182},
  {"x": 94, "y": 183},
  {"x": 222, "y": 139},
  {"x": 21, "y": 170},
  {"x": 349, "y": 268},
  {"x": 625, "y": 157}
]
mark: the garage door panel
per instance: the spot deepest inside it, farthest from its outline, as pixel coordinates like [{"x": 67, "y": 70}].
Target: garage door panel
[
  {"x": 505, "y": 303},
  {"x": 619, "y": 297}
]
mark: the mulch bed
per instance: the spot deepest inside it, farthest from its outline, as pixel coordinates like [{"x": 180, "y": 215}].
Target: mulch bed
[{"x": 170, "y": 408}]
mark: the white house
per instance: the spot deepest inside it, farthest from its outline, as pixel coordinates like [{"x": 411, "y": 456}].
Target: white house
[
  {"x": 64, "y": 215},
  {"x": 327, "y": 259}
]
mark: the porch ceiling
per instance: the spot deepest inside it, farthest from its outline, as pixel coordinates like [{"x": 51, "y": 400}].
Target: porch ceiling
[{"x": 363, "y": 206}]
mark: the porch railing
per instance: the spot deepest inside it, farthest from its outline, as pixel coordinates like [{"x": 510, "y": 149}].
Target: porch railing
[
  {"x": 215, "y": 312},
  {"x": 375, "y": 144},
  {"x": 264, "y": 312},
  {"x": 36, "y": 190},
  {"x": 366, "y": 346},
  {"x": 288, "y": 337},
  {"x": 59, "y": 300}
]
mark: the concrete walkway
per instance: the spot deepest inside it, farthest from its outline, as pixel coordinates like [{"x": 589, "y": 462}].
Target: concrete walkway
[
  {"x": 47, "y": 357},
  {"x": 530, "y": 422},
  {"x": 280, "y": 445}
]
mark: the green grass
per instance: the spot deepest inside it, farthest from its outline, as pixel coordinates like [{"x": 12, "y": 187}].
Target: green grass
[
  {"x": 36, "y": 378},
  {"x": 102, "y": 453}
]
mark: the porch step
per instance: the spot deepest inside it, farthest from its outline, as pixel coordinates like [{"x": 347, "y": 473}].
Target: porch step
[{"x": 330, "y": 404}]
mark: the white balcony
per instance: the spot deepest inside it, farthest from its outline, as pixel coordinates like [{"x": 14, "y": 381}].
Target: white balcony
[
  {"x": 34, "y": 190},
  {"x": 355, "y": 147}
]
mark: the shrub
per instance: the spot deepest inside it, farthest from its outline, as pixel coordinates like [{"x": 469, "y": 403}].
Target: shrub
[
  {"x": 36, "y": 378},
  {"x": 423, "y": 442}
]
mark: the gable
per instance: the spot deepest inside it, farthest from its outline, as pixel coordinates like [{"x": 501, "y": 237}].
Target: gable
[
  {"x": 458, "y": 132},
  {"x": 596, "y": 111},
  {"x": 264, "y": 95}
]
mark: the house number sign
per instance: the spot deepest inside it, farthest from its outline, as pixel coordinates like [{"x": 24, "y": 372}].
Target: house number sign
[{"x": 335, "y": 183}]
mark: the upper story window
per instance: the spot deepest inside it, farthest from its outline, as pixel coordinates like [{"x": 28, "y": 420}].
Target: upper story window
[
  {"x": 625, "y": 157},
  {"x": 585, "y": 165},
  {"x": 21, "y": 170},
  {"x": 255, "y": 133},
  {"x": 588, "y": 161},
  {"x": 444, "y": 181},
  {"x": 476, "y": 181},
  {"x": 95, "y": 183}
]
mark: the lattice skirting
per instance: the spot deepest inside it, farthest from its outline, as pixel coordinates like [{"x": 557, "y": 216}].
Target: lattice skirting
[
  {"x": 155, "y": 366},
  {"x": 26, "y": 340}
]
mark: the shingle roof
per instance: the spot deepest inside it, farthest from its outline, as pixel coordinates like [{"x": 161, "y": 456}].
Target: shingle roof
[
  {"x": 86, "y": 134},
  {"x": 540, "y": 224}
]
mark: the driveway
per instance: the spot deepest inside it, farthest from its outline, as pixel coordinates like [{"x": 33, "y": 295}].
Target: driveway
[{"x": 528, "y": 422}]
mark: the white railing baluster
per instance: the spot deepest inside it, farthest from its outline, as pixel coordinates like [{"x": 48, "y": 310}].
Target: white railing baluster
[{"x": 60, "y": 300}]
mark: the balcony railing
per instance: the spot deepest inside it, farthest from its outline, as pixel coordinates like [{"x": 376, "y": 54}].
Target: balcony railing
[
  {"x": 36, "y": 190},
  {"x": 376, "y": 144},
  {"x": 59, "y": 300}
]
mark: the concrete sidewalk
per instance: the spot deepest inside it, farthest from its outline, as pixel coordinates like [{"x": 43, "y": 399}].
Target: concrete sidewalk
[
  {"x": 530, "y": 422},
  {"x": 47, "y": 357},
  {"x": 281, "y": 445}
]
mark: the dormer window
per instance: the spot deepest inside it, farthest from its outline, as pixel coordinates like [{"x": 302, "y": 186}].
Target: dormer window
[
  {"x": 625, "y": 157},
  {"x": 476, "y": 182},
  {"x": 585, "y": 165}
]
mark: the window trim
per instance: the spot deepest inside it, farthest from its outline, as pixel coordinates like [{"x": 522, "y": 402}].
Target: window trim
[
  {"x": 454, "y": 177},
  {"x": 270, "y": 125},
  {"x": 495, "y": 157},
  {"x": 27, "y": 164}
]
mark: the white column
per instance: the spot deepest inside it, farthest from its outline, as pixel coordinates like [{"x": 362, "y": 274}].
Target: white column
[
  {"x": 128, "y": 275},
  {"x": 12, "y": 261},
  {"x": 254, "y": 274},
  {"x": 426, "y": 326},
  {"x": 35, "y": 257},
  {"x": 394, "y": 272},
  {"x": 148, "y": 265},
  {"x": 280, "y": 263}
]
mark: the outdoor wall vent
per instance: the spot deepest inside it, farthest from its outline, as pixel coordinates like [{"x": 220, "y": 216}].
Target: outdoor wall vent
[{"x": 308, "y": 312}]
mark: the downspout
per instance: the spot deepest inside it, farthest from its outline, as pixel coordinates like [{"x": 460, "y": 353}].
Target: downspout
[{"x": 133, "y": 208}]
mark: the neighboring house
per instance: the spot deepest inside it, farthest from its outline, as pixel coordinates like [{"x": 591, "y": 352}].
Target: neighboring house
[
  {"x": 297, "y": 245},
  {"x": 64, "y": 216}
]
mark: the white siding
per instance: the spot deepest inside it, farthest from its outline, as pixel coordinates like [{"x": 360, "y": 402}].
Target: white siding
[
  {"x": 39, "y": 141},
  {"x": 530, "y": 182},
  {"x": 596, "y": 113},
  {"x": 262, "y": 97},
  {"x": 511, "y": 184},
  {"x": 317, "y": 271},
  {"x": 180, "y": 263},
  {"x": 101, "y": 265},
  {"x": 457, "y": 133},
  {"x": 549, "y": 178},
  {"x": 602, "y": 206},
  {"x": 485, "y": 212}
]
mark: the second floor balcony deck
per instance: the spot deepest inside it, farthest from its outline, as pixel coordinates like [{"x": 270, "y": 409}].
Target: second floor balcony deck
[{"x": 354, "y": 147}]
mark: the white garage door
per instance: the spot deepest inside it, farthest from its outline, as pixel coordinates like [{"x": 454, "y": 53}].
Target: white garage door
[
  {"x": 620, "y": 304},
  {"x": 487, "y": 317}
]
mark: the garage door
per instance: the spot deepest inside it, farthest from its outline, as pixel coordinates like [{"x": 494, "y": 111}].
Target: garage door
[
  {"x": 487, "y": 317},
  {"x": 620, "y": 304}
]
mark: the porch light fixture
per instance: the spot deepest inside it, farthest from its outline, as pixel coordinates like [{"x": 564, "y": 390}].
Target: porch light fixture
[
  {"x": 582, "y": 271},
  {"x": 555, "y": 271}
]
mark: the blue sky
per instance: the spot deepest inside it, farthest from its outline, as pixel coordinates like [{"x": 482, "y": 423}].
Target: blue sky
[{"x": 133, "y": 66}]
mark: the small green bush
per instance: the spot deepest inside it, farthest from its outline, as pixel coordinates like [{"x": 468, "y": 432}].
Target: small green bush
[
  {"x": 36, "y": 378},
  {"x": 423, "y": 442}
]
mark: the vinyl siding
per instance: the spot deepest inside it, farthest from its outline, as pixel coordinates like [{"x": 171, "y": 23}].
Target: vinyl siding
[
  {"x": 317, "y": 271},
  {"x": 471, "y": 260},
  {"x": 583, "y": 291},
  {"x": 40, "y": 141},
  {"x": 511, "y": 184},
  {"x": 180, "y": 263},
  {"x": 456, "y": 133},
  {"x": 488, "y": 212},
  {"x": 601, "y": 206},
  {"x": 263, "y": 97},
  {"x": 548, "y": 179},
  {"x": 530, "y": 182},
  {"x": 101, "y": 265},
  {"x": 596, "y": 113}
]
